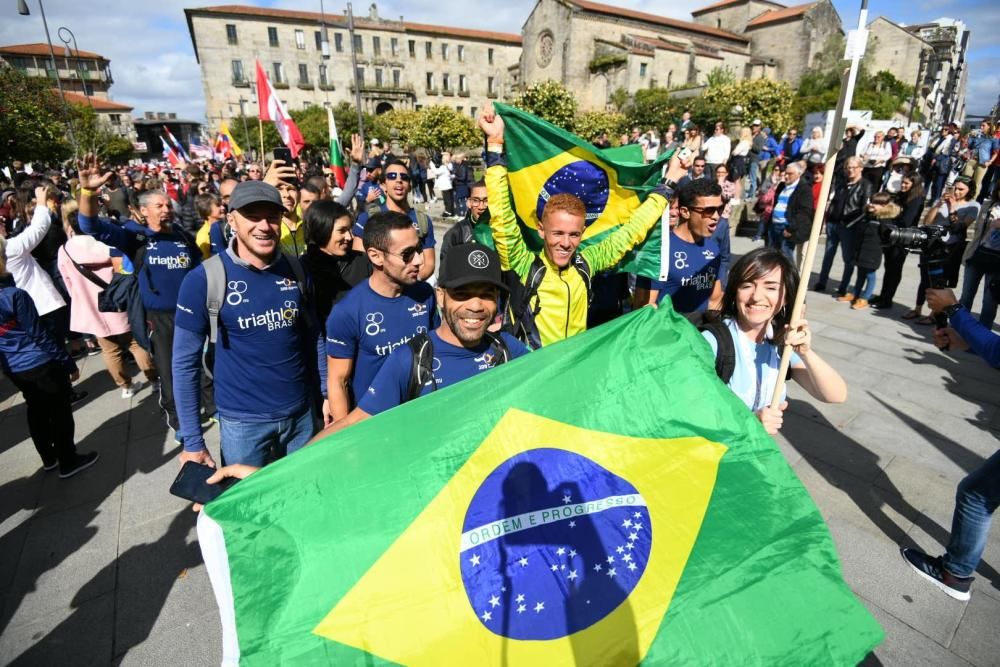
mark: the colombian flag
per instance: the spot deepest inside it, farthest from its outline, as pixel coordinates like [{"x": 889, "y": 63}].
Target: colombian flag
[
  {"x": 544, "y": 160},
  {"x": 603, "y": 501}
]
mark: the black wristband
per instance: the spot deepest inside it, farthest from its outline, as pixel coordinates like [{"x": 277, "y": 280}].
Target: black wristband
[{"x": 949, "y": 311}]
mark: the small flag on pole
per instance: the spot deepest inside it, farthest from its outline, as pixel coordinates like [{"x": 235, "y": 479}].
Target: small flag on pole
[
  {"x": 169, "y": 154},
  {"x": 233, "y": 146},
  {"x": 336, "y": 153},
  {"x": 176, "y": 144},
  {"x": 271, "y": 108}
]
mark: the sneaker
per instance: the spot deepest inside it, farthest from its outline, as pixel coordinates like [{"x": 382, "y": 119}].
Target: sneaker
[
  {"x": 847, "y": 298},
  {"x": 859, "y": 304},
  {"x": 82, "y": 462},
  {"x": 132, "y": 389},
  {"x": 819, "y": 287},
  {"x": 48, "y": 467},
  {"x": 930, "y": 568},
  {"x": 77, "y": 396},
  {"x": 882, "y": 305}
]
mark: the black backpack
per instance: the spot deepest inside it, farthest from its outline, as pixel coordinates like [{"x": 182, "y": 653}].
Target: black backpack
[
  {"x": 422, "y": 365},
  {"x": 725, "y": 348},
  {"x": 519, "y": 315}
]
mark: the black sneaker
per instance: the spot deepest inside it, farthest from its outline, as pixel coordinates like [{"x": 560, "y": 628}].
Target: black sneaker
[
  {"x": 47, "y": 467},
  {"x": 930, "y": 568},
  {"x": 77, "y": 396},
  {"x": 819, "y": 287},
  {"x": 82, "y": 462}
]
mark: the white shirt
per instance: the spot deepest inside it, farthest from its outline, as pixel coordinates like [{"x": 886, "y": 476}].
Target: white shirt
[
  {"x": 717, "y": 149},
  {"x": 756, "y": 371},
  {"x": 442, "y": 176},
  {"x": 27, "y": 274}
]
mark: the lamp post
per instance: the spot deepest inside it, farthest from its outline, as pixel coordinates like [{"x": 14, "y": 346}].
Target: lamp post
[
  {"x": 75, "y": 52},
  {"x": 22, "y": 9}
]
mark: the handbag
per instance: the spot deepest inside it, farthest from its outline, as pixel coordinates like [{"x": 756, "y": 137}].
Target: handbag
[{"x": 986, "y": 260}]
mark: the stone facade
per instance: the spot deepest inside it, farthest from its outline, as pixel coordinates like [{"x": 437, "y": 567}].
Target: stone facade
[
  {"x": 793, "y": 37},
  {"x": 403, "y": 65},
  {"x": 86, "y": 73},
  {"x": 733, "y": 15}
]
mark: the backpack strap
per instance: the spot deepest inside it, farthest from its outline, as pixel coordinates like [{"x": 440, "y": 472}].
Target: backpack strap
[
  {"x": 421, "y": 365},
  {"x": 84, "y": 271},
  {"x": 725, "y": 348},
  {"x": 499, "y": 348},
  {"x": 215, "y": 293},
  {"x": 583, "y": 268},
  {"x": 423, "y": 224}
]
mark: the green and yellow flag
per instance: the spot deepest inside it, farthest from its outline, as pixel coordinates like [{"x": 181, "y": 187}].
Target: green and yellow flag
[
  {"x": 602, "y": 501},
  {"x": 545, "y": 160}
]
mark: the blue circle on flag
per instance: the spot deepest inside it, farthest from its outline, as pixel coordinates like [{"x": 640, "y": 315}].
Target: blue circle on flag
[
  {"x": 583, "y": 180},
  {"x": 552, "y": 543}
]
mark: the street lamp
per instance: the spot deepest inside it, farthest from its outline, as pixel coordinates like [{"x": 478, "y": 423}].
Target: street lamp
[
  {"x": 75, "y": 53},
  {"x": 22, "y": 9}
]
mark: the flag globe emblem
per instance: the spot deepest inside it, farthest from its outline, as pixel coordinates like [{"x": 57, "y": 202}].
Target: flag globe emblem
[
  {"x": 552, "y": 543},
  {"x": 582, "y": 179}
]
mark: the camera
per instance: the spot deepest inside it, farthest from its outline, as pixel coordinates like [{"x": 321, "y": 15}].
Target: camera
[{"x": 927, "y": 240}]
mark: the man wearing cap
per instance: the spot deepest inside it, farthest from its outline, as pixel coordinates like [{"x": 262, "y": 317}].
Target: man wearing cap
[
  {"x": 460, "y": 347},
  {"x": 369, "y": 190},
  {"x": 264, "y": 368}
]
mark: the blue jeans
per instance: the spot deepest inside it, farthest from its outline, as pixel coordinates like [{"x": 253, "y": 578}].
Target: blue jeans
[
  {"x": 833, "y": 234},
  {"x": 776, "y": 239},
  {"x": 260, "y": 443},
  {"x": 977, "y": 498},
  {"x": 752, "y": 173},
  {"x": 970, "y": 285},
  {"x": 847, "y": 254},
  {"x": 866, "y": 282}
]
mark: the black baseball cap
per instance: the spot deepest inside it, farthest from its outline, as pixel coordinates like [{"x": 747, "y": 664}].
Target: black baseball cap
[
  {"x": 254, "y": 192},
  {"x": 471, "y": 263}
]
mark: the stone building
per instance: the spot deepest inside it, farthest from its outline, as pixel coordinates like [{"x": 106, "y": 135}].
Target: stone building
[
  {"x": 83, "y": 72},
  {"x": 594, "y": 49},
  {"x": 789, "y": 37},
  {"x": 114, "y": 116},
  {"x": 929, "y": 56},
  {"x": 401, "y": 65}
]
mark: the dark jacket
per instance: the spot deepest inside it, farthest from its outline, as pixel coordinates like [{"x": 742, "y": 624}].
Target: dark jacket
[
  {"x": 912, "y": 211},
  {"x": 867, "y": 237},
  {"x": 850, "y": 202},
  {"x": 848, "y": 149},
  {"x": 462, "y": 232},
  {"x": 333, "y": 277},
  {"x": 799, "y": 213}
]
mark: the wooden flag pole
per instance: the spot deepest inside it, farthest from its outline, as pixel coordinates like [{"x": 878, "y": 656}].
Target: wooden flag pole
[{"x": 855, "y": 49}]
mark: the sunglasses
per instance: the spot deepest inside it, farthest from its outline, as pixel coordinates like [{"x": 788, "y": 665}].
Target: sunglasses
[
  {"x": 708, "y": 211},
  {"x": 398, "y": 175},
  {"x": 407, "y": 254}
]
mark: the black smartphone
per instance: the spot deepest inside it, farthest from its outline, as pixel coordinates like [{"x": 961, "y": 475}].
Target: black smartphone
[
  {"x": 283, "y": 154},
  {"x": 190, "y": 483}
]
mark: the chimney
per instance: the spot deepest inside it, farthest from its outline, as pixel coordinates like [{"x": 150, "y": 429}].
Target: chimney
[
  {"x": 172, "y": 116},
  {"x": 150, "y": 115},
  {"x": 160, "y": 115}
]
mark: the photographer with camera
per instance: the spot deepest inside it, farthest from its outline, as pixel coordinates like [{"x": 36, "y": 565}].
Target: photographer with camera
[{"x": 979, "y": 493}]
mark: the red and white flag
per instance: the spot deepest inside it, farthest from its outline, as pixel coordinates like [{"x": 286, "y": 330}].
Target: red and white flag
[{"x": 272, "y": 109}]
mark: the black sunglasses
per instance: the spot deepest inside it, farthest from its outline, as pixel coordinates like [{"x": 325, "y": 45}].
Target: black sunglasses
[
  {"x": 708, "y": 211},
  {"x": 401, "y": 175},
  {"x": 407, "y": 254}
]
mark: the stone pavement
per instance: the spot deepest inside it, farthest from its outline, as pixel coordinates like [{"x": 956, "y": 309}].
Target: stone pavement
[{"x": 104, "y": 568}]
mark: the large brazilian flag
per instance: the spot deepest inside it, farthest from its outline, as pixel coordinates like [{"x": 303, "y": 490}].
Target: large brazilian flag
[
  {"x": 544, "y": 160},
  {"x": 602, "y": 501}
]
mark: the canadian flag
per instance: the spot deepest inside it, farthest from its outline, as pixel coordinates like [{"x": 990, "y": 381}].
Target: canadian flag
[{"x": 271, "y": 108}]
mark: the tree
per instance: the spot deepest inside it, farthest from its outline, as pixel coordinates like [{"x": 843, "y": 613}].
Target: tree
[
  {"x": 444, "y": 127},
  {"x": 720, "y": 76},
  {"x": 747, "y": 99},
  {"x": 651, "y": 108},
  {"x": 404, "y": 122},
  {"x": 590, "y": 124},
  {"x": 619, "y": 99},
  {"x": 31, "y": 120},
  {"x": 312, "y": 123},
  {"x": 549, "y": 100},
  {"x": 94, "y": 136}
]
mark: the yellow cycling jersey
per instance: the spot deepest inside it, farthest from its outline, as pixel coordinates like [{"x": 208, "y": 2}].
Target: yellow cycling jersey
[
  {"x": 561, "y": 302},
  {"x": 293, "y": 242}
]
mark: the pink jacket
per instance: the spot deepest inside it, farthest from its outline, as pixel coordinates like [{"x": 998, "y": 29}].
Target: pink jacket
[{"x": 83, "y": 314}]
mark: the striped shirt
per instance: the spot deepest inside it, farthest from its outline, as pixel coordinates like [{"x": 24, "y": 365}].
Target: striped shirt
[{"x": 778, "y": 215}]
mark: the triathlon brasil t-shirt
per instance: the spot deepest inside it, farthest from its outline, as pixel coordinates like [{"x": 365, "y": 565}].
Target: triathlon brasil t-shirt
[{"x": 694, "y": 268}]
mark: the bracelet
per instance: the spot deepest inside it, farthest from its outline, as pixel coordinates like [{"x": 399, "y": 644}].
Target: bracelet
[
  {"x": 84, "y": 192},
  {"x": 494, "y": 147}
]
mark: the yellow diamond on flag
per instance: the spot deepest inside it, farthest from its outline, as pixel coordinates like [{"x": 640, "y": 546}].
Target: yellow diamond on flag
[{"x": 551, "y": 543}]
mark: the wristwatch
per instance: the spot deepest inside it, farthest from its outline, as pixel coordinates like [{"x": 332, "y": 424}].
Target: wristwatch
[
  {"x": 670, "y": 185},
  {"x": 951, "y": 310}
]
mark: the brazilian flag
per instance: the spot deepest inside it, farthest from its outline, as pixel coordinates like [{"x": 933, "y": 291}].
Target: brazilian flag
[
  {"x": 602, "y": 501},
  {"x": 544, "y": 160}
]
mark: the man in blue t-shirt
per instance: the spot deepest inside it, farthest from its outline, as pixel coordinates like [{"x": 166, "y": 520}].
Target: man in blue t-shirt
[
  {"x": 265, "y": 352},
  {"x": 460, "y": 347},
  {"x": 396, "y": 186},
  {"x": 692, "y": 277},
  {"x": 161, "y": 254},
  {"x": 378, "y": 315}
]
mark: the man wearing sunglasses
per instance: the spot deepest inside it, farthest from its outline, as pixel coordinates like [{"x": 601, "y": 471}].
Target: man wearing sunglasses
[
  {"x": 692, "y": 278},
  {"x": 461, "y": 346},
  {"x": 396, "y": 186},
  {"x": 474, "y": 227},
  {"x": 380, "y": 314}
]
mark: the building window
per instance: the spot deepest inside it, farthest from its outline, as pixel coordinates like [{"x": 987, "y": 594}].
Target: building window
[
  {"x": 360, "y": 74},
  {"x": 115, "y": 118},
  {"x": 319, "y": 40},
  {"x": 491, "y": 87},
  {"x": 378, "y": 77},
  {"x": 303, "y": 73},
  {"x": 272, "y": 36},
  {"x": 88, "y": 89},
  {"x": 418, "y": 107},
  {"x": 278, "y": 72},
  {"x": 395, "y": 78},
  {"x": 358, "y": 46},
  {"x": 231, "y": 34},
  {"x": 461, "y": 53},
  {"x": 430, "y": 81},
  {"x": 462, "y": 84},
  {"x": 338, "y": 42},
  {"x": 322, "y": 76},
  {"x": 444, "y": 51},
  {"x": 377, "y": 46},
  {"x": 429, "y": 50},
  {"x": 237, "y": 71},
  {"x": 459, "y": 109},
  {"x": 489, "y": 56},
  {"x": 642, "y": 70},
  {"x": 394, "y": 46},
  {"x": 445, "y": 81},
  {"x": 472, "y": 111},
  {"x": 412, "y": 44},
  {"x": 300, "y": 39}
]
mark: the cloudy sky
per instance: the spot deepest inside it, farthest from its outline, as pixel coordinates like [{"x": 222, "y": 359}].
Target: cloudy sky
[{"x": 153, "y": 63}]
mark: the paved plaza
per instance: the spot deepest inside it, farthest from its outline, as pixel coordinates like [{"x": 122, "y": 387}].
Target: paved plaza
[{"x": 104, "y": 568}]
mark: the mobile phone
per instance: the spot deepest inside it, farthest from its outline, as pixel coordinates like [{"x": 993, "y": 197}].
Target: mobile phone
[
  {"x": 190, "y": 483},
  {"x": 283, "y": 154}
]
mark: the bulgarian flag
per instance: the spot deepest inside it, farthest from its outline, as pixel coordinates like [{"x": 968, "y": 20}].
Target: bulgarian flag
[
  {"x": 271, "y": 108},
  {"x": 607, "y": 502},
  {"x": 336, "y": 152}
]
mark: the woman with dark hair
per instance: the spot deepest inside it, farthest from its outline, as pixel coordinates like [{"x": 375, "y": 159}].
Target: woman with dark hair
[
  {"x": 329, "y": 259},
  {"x": 911, "y": 200},
  {"x": 756, "y": 313},
  {"x": 881, "y": 211},
  {"x": 980, "y": 259}
]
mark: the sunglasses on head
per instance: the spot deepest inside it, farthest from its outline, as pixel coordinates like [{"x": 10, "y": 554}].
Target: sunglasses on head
[{"x": 400, "y": 175}]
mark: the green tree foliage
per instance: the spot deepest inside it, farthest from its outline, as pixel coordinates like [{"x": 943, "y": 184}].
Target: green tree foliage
[
  {"x": 652, "y": 108},
  {"x": 444, "y": 127},
  {"x": 405, "y": 123},
  {"x": 590, "y": 124},
  {"x": 756, "y": 98},
  {"x": 31, "y": 121},
  {"x": 619, "y": 99},
  {"x": 549, "y": 100},
  {"x": 720, "y": 76},
  {"x": 94, "y": 136},
  {"x": 312, "y": 124}
]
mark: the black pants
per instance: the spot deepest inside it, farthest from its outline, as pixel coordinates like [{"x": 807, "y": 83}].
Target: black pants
[
  {"x": 449, "y": 202},
  {"x": 47, "y": 390},
  {"x": 894, "y": 260},
  {"x": 161, "y": 338}
]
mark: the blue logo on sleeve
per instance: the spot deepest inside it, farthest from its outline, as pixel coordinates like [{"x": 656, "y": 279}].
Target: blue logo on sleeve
[{"x": 551, "y": 544}]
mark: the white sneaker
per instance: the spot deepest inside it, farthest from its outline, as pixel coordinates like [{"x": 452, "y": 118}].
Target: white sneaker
[{"x": 133, "y": 389}]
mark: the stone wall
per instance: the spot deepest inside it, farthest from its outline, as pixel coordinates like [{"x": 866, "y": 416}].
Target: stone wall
[
  {"x": 794, "y": 43},
  {"x": 734, "y": 18}
]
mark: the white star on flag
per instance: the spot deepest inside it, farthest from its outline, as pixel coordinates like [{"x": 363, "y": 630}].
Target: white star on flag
[
  {"x": 474, "y": 560},
  {"x": 597, "y": 567},
  {"x": 494, "y": 601},
  {"x": 519, "y": 598},
  {"x": 540, "y": 606},
  {"x": 572, "y": 553},
  {"x": 626, "y": 523},
  {"x": 637, "y": 526},
  {"x": 611, "y": 573},
  {"x": 521, "y": 608},
  {"x": 611, "y": 559},
  {"x": 523, "y": 562},
  {"x": 554, "y": 567},
  {"x": 620, "y": 549},
  {"x": 633, "y": 536},
  {"x": 631, "y": 566},
  {"x": 637, "y": 515},
  {"x": 567, "y": 500},
  {"x": 487, "y": 616},
  {"x": 630, "y": 546},
  {"x": 572, "y": 524},
  {"x": 560, "y": 551},
  {"x": 627, "y": 558},
  {"x": 571, "y": 575}
]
